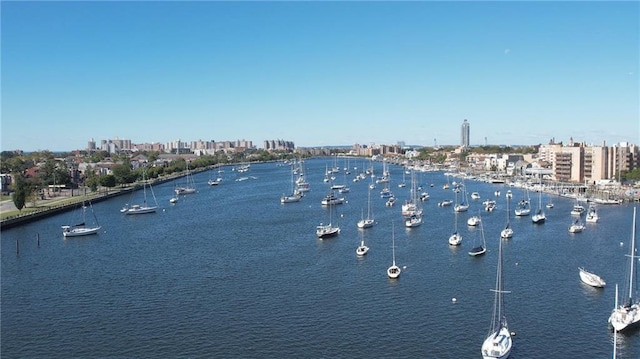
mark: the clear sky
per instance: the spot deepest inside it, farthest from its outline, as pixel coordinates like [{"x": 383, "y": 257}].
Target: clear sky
[{"x": 319, "y": 73}]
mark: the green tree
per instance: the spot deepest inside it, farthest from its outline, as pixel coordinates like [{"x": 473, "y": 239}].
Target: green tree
[
  {"x": 20, "y": 191},
  {"x": 108, "y": 181},
  {"x": 122, "y": 172}
]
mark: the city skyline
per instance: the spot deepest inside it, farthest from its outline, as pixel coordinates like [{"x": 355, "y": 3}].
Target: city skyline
[{"x": 319, "y": 73}]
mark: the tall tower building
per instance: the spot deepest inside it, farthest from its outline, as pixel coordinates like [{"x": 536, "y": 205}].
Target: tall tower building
[{"x": 464, "y": 136}]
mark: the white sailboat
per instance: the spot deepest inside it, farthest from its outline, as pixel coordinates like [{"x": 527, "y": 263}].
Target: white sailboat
[
  {"x": 627, "y": 315},
  {"x": 498, "y": 343},
  {"x": 362, "y": 249},
  {"x": 540, "y": 216},
  {"x": 369, "y": 221},
  {"x": 577, "y": 226},
  {"x": 295, "y": 195},
  {"x": 507, "y": 232},
  {"x": 189, "y": 187},
  {"x": 463, "y": 206},
  {"x": 412, "y": 209},
  {"x": 145, "y": 207},
  {"x": 393, "y": 271},
  {"x": 482, "y": 248},
  {"x": 455, "y": 238},
  {"x": 328, "y": 230},
  {"x": 82, "y": 228},
  {"x": 591, "y": 279},
  {"x": 523, "y": 208}
]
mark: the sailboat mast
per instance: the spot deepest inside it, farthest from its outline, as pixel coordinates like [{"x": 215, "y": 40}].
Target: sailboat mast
[
  {"x": 633, "y": 250},
  {"x": 393, "y": 243}
]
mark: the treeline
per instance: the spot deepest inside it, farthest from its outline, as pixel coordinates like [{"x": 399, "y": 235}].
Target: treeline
[{"x": 59, "y": 169}]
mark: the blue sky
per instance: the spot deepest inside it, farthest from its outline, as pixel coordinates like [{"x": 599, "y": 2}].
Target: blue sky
[{"x": 319, "y": 73}]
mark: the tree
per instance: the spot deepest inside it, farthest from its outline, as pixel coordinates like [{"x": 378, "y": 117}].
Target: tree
[
  {"x": 108, "y": 181},
  {"x": 122, "y": 172},
  {"x": 19, "y": 191}
]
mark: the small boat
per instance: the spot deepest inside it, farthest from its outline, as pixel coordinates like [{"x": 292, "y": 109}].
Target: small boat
[
  {"x": 592, "y": 214},
  {"x": 82, "y": 229},
  {"x": 473, "y": 221},
  {"x": 362, "y": 248},
  {"x": 327, "y": 230},
  {"x": 214, "y": 182},
  {"x": 369, "y": 221},
  {"x": 522, "y": 208},
  {"x": 331, "y": 199},
  {"x": 577, "y": 209},
  {"x": 507, "y": 232},
  {"x": 475, "y": 195},
  {"x": 455, "y": 238},
  {"x": 295, "y": 195},
  {"x": 591, "y": 279},
  {"x": 576, "y": 227},
  {"x": 393, "y": 271},
  {"x": 482, "y": 248},
  {"x": 189, "y": 187},
  {"x": 414, "y": 220},
  {"x": 539, "y": 217},
  {"x": 390, "y": 202},
  {"x": 143, "y": 208},
  {"x": 445, "y": 202}
]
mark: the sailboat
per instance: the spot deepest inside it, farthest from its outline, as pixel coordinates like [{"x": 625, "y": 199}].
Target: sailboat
[
  {"x": 295, "y": 195},
  {"x": 189, "y": 187},
  {"x": 362, "y": 248},
  {"x": 328, "y": 230},
  {"x": 412, "y": 210},
  {"x": 82, "y": 229},
  {"x": 550, "y": 203},
  {"x": 394, "y": 271},
  {"x": 463, "y": 206},
  {"x": 523, "y": 208},
  {"x": 455, "y": 238},
  {"x": 577, "y": 226},
  {"x": 539, "y": 217},
  {"x": 403, "y": 183},
  {"x": 591, "y": 279},
  {"x": 498, "y": 343},
  {"x": 481, "y": 249},
  {"x": 627, "y": 314},
  {"x": 507, "y": 232},
  {"x": 144, "y": 207},
  {"x": 369, "y": 221}
]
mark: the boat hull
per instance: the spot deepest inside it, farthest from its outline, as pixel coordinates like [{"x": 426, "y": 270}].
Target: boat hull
[
  {"x": 625, "y": 317},
  {"x": 393, "y": 272},
  {"x": 140, "y": 210},
  {"x": 591, "y": 279},
  {"x": 77, "y": 232},
  {"x": 497, "y": 345}
]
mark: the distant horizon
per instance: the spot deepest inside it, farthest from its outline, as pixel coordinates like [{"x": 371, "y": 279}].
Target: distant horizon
[
  {"x": 367, "y": 144},
  {"x": 318, "y": 73}
]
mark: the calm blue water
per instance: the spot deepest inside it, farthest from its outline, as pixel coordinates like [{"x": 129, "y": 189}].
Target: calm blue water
[{"x": 229, "y": 272}]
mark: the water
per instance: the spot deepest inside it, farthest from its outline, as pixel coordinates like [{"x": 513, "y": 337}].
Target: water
[{"x": 230, "y": 272}]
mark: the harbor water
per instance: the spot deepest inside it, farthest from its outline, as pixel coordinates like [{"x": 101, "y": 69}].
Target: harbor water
[{"x": 230, "y": 272}]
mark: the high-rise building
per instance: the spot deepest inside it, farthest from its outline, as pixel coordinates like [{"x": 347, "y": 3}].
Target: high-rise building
[{"x": 464, "y": 136}]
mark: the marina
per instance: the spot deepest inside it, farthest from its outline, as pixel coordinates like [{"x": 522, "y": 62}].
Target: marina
[{"x": 232, "y": 272}]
